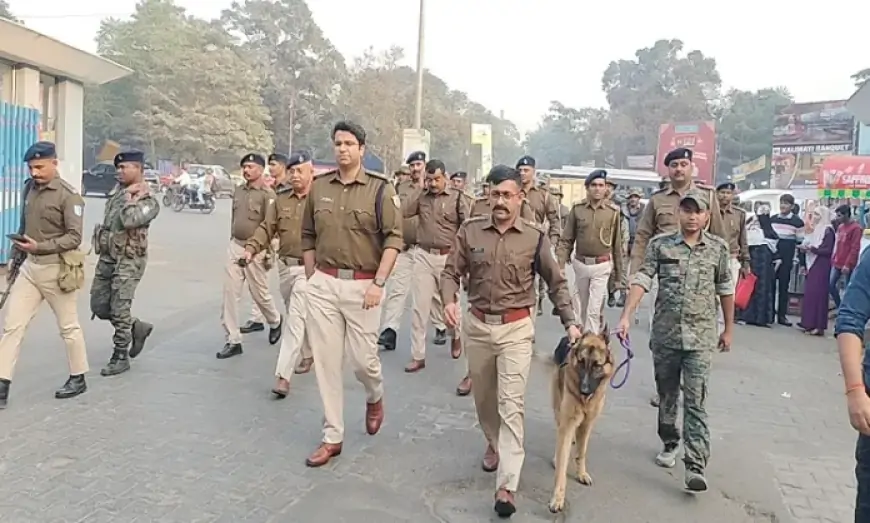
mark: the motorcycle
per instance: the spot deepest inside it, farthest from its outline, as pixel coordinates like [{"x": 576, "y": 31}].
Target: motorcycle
[
  {"x": 169, "y": 193},
  {"x": 189, "y": 198}
]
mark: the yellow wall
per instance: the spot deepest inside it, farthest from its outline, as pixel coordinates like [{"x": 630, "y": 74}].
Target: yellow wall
[{"x": 572, "y": 190}]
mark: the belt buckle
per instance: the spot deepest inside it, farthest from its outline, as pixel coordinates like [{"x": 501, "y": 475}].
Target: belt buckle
[
  {"x": 590, "y": 260},
  {"x": 493, "y": 319},
  {"x": 435, "y": 252},
  {"x": 345, "y": 274}
]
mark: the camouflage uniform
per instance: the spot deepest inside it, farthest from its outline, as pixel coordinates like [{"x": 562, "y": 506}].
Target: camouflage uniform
[
  {"x": 122, "y": 244},
  {"x": 685, "y": 333}
]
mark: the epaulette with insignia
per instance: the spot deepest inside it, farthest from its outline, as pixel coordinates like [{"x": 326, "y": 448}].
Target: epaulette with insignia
[
  {"x": 533, "y": 225},
  {"x": 378, "y": 176},
  {"x": 68, "y": 186}
]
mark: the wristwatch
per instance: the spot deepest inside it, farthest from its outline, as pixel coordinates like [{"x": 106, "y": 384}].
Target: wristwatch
[{"x": 380, "y": 282}]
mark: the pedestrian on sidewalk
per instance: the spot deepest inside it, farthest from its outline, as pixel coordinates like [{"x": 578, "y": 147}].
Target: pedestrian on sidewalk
[
  {"x": 816, "y": 248},
  {"x": 848, "y": 246}
]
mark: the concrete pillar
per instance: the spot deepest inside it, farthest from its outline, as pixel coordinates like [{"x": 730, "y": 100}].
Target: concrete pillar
[
  {"x": 70, "y": 130},
  {"x": 26, "y": 88}
]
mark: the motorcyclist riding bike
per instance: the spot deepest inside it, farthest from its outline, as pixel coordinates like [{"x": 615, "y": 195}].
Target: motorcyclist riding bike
[
  {"x": 186, "y": 183},
  {"x": 204, "y": 185}
]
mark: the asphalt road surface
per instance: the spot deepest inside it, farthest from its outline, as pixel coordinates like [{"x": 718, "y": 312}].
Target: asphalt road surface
[{"x": 186, "y": 438}]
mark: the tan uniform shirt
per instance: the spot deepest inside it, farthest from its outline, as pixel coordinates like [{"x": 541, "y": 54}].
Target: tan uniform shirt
[
  {"x": 593, "y": 230},
  {"x": 501, "y": 268},
  {"x": 408, "y": 191},
  {"x": 251, "y": 203},
  {"x": 541, "y": 206},
  {"x": 480, "y": 207},
  {"x": 53, "y": 217},
  {"x": 734, "y": 220},
  {"x": 661, "y": 215},
  {"x": 283, "y": 219},
  {"x": 340, "y": 222},
  {"x": 438, "y": 217}
]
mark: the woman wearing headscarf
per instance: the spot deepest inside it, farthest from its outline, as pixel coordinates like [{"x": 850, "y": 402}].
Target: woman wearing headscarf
[
  {"x": 817, "y": 248},
  {"x": 762, "y": 248}
]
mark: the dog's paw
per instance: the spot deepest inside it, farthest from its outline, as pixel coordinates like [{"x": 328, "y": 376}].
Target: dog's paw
[
  {"x": 557, "y": 504},
  {"x": 584, "y": 478}
]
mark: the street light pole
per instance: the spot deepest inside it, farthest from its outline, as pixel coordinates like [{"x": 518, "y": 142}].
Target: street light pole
[{"x": 418, "y": 110}]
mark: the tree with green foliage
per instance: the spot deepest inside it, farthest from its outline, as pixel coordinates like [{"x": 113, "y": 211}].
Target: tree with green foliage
[
  {"x": 861, "y": 77},
  {"x": 6, "y": 12}
]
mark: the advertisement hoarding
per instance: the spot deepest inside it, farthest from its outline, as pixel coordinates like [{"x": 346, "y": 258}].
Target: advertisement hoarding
[
  {"x": 739, "y": 173},
  {"x": 700, "y": 137},
  {"x": 844, "y": 177}
]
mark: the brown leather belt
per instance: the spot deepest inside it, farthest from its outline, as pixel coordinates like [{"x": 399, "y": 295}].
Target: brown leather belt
[
  {"x": 290, "y": 261},
  {"x": 437, "y": 251},
  {"x": 347, "y": 274},
  {"x": 503, "y": 318},
  {"x": 592, "y": 260}
]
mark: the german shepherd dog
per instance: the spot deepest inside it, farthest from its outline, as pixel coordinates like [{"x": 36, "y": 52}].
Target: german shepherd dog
[{"x": 578, "y": 389}]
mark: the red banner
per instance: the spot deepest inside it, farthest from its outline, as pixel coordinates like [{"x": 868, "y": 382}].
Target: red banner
[
  {"x": 844, "y": 172},
  {"x": 700, "y": 137}
]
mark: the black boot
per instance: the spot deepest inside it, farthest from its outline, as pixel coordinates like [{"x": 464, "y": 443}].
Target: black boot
[
  {"x": 620, "y": 302},
  {"x": 387, "y": 340},
  {"x": 540, "y": 307},
  {"x": 229, "y": 350},
  {"x": 118, "y": 363},
  {"x": 252, "y": 326},
  {"x": 141, "y": 331},
  {"x": 4, "y": 392},
  {"x": 611, "y": 300},
  {"x": 74, "y": 386},
  {"x": 275, "y": 332},
  {"x": 440, "y": 337}
]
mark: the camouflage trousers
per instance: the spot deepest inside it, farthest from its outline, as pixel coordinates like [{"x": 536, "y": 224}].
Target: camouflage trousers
[
  {"x": 112, "y": 293},
  {"x": 693, "y": 368}
]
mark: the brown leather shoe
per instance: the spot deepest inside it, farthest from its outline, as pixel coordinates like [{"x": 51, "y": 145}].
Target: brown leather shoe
[
  {"x": 324, "y": 453},
  {"x": 282, "y": 387},
  {"x": 456, "y": 348},
  {"x": 464, "y": 388},
  {"x": 490, "y": 460},
  {"x": 304, "y": 366},
  {"x": 374, "y": 417},
  {"x": 504, "y": 503},
  {"x": 415, "y": 366}
]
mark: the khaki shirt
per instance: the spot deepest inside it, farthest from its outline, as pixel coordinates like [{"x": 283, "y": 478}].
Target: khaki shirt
[
  {"x": 501, "y": 268},
  {"x": 53, "y": 216},
  {"x": 480, "y": 207},
  {"x": 661, "y": 215},
  {"x": 592, "y": 231},
  {"x": 340, "y": 221},
  {"x": 408, "y": 191},
  {"x": 251, "y": 203},
  {"x": 284, "y": 219},
  {"x": 734, "y": 220},
  {"x": 438, "y": 217},
  {"x": 540, "y": 206}
]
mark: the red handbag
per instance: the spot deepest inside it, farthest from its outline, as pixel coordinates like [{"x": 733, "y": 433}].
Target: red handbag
[{"x": 743, "y": 291}]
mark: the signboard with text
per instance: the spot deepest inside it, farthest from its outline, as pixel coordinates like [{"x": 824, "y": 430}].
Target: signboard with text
[{"x": 700, "y": 137}]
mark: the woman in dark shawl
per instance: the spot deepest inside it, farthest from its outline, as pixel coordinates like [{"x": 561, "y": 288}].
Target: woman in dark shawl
[{"x": 762, "y": 249}]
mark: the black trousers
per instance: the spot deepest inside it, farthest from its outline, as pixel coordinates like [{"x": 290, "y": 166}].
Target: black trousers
[
  {"x": 780, "y": 290},
  {"x": 862, "y": 475}
]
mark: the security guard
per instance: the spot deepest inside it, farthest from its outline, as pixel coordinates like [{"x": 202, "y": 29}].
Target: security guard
[
  {"x": 691, "y": 266},
  {"x": 458, "y": 180},
  {"x": 351, "y": 237},
  {"x": 734, "y": 220},
  {"x": 439, "y": 211},
  {"x": 594, "y": 232},
  {"x": 122, "y": 243},
  {"x": 50, "y": 232},
  {"x": 401, "y": 175},
  {"x": 251, "y": 203},
  {"x": 284, "y": 219},
  {"x": 501, "y": 254}
]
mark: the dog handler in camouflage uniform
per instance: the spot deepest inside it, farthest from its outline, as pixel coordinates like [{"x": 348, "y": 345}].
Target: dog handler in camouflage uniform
[
  {"x": 121, "y": 241},
  {"x": 692, "y": 267}
]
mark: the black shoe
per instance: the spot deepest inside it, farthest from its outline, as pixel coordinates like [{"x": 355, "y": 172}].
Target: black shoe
[
  {"x": 252, "y": 326},
  {"x": 611, "y": 300},
  {"x": 783, "y": 321},
  {"x": 275, "y": 332},
  {"x": 4, "y": 392},
  {"x": 141, "y": 331},
  {"x": 118, "y": 363},
  {"x": 74, "y": 386},
  {"x": 440, "y": 337},
  {"x": 540, "y": 307},
  {"x": 620, "y": 302},
  {"x": 230, "y": 350},
  {"x": 387, "y": 340}
]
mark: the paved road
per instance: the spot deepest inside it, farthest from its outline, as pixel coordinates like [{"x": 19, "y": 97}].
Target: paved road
[{"x": 186, "y": 438}]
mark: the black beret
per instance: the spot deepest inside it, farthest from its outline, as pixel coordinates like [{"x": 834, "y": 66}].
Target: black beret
[
  {"x": 726, "y": 185},
  {"x": 297, "y": 158},
  {"x": 596, "y": 174},
  {"x": 40, "y": 151},
  {"x": 129, "y": 157},
  {"x": 678, "y": 154},
  {"x": 526, "y": 160},
  {"x": 459, "y": 174},
  {"x": 278, "y": 157},
  {"x": 416, "y": 156},
  {"x": 253, "y": 158}
]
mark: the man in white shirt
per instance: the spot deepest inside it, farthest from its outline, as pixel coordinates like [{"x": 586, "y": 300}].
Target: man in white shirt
[
  {"x": 203, "y": 185},
  {"x": 183, "y": 180}
]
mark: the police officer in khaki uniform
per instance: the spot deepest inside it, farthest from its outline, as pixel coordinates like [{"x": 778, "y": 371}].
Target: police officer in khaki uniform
[
  {"x": 52, "y": 269},
  {"x": 439, "y": 211},
  {"x": 593, "y": 231},
  {"x": 351, "y": 237},
  {"x": 251, "y": 204},
  {"x": 612, "y": 284},
  {"x": 284, "y": 219},
  {"x": 734, "y": 220},
  {"x": 542, "y": 207},
  {"x": 501, "y": 253}
]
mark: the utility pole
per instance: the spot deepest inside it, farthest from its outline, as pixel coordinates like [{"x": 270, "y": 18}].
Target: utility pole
[{"x": 418, "y": 110}]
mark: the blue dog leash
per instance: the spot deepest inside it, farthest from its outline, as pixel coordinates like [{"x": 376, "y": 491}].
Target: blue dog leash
[{"x": 629, "y": 354}]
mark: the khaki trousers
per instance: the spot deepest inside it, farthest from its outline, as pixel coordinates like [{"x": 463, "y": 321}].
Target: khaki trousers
[
  {"x": 258, "y": 282},
  {"x": 397, "y": 292},
  {"x": 338, "y": 324},
  {"x": 426, "y": 296},
  {"x": 35, "y": 283},
  {"x": 288, "y": 278},
  {"x": 294, "y": 340},
  {"x": 499, "y": 359},
  {"x": 590, "y": 288}
]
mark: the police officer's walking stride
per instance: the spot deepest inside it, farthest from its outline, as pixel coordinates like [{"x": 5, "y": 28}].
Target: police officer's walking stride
[
  {"x": 122, "y": 244},
  {"x": 49, "y": 267}
]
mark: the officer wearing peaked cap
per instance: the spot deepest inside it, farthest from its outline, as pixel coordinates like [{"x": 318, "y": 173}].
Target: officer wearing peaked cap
[
  {"x": 734, "y": 221},
  {"x": 46, "y": 265}
]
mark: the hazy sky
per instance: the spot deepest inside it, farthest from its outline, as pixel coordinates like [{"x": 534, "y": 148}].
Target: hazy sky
[{"x": 518, "y": 55}]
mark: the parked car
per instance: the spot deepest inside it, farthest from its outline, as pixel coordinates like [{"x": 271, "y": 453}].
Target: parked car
[
  {"x": 100, "y": 179},
  {"x": 226, "y": 186},
  {"x": 152, "y": 178}
]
